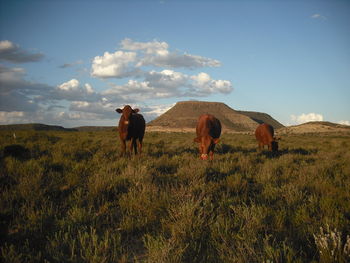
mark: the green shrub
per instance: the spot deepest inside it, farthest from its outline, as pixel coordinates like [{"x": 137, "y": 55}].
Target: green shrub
[{"x": 70, "y": 197}]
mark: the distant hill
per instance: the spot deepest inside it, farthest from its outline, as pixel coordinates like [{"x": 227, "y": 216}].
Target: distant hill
[
  {"x": 44, "y": 127},
  {"x": 184, "y": 115},
  {"x": 34, "y": 127},
  {"x": 314, "y": 127},
  {"x": 95, "y": 128},
  {"x": 261, "y": 117}
]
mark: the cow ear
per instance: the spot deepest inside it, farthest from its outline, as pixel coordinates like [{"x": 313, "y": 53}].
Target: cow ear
[
  {"x": 119, "y": 110},
  {"x": 216, "y": 141},
  {"x": 135, "y": 110},
  {"x": 197, "y": 140}
]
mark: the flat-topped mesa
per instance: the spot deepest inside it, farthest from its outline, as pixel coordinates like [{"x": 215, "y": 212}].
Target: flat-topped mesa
[{"x": 185, "y": 114}]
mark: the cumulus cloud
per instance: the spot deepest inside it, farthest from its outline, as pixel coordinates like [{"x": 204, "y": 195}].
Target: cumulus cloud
[
  {"x": 11, "y": 52},
  {"x": 134, "y": 55},
  {"x": 150, "y": 71},
  {"x": 303, "y": 118},
  {"x": 157, "y": 54},
  {"x": 72, "y": 90},
  {"x": 150, "y": 67},
  {"x": 204, "y": 84},
  {"x": 168, "y": 79},
  {"x": 117, "y": 65},
  {"x": 169, "y": 83},
  {"x": 98, "y": 107}
]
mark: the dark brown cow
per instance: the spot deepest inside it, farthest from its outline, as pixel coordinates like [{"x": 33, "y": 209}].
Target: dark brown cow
[
  {"x": 131, "y": 128},
  {"x": 264, "y": 134},
  {"x": 208, "y": 132}
]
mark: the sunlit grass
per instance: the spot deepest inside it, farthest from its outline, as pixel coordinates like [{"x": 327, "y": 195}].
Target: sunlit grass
[{"x": 69, "y": 197}]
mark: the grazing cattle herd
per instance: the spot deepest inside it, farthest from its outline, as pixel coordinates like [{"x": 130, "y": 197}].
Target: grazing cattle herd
[{"x": 132, "y": 127}]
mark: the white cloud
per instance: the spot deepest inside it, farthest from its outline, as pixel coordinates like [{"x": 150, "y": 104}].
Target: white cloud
[
  {"x": 318, "y": 16},
  {"x": 73, "y": 90},
  {"x": 11, "y": 52},
  {"x": 73, "y": 84},
  {"x": 6, "y": 45},
  {"x": 113, "y": 65},
  {"x": 176, "y": 60},
  {"x": 169, "y": 83},
  {"x": 147, "y": 67},
  {"x": 11, "y": 117},
  {"x": 155, "y": 47},
  {"x": 303, "y": 118},
  {"x": 134, "y": 55},
  {"x": 89, "y": 88},
  {"x": 344, "y": 122},
  {"x": 167, "y": 80},
  {"x": 205, "y": 85},
  {"x": 150, "y": 112},
  {"x": 202, "y": 78},
  {"x": 158, "y": 109}
]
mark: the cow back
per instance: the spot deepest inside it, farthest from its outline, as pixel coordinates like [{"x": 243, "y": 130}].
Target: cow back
[
  {"x": 136, "y": 127},
  {"x": 264, "y": 133},
  {"x": 208, "y": 125}
]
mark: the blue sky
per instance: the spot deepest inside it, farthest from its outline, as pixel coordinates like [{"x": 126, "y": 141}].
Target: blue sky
[{"x": 73, "y": 63}]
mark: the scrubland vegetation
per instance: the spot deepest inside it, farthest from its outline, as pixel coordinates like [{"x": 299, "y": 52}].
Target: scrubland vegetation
[{"x": 69, "y": 197}]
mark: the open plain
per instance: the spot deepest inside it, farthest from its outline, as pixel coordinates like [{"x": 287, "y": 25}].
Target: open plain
[{"x": 69, "y": 197}]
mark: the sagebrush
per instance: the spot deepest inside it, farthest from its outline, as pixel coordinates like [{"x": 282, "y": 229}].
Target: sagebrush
[{"x": 69, "y": 197}]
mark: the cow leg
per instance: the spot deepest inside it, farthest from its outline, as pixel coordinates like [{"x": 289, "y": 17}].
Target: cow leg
[
  {"x": 261, "y": 146},
  {"x": 211, "y": 155},
  {"x": 211, "y": 151},
  {"x": 132, "y": 146},
  {"x": 135, "y": 145},
  {"x": 123, "y": 147},
  {"x": 140, "y": 146},
  {"x": 201, "y": 149}
]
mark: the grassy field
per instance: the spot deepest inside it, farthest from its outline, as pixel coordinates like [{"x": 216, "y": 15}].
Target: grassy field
[{"x": 69, "y": 197}]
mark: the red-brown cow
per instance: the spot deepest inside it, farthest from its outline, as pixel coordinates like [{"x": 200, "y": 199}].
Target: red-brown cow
[
  {"x": 208, "y": 132},
  {"x": 131, "y": 127},
  {"x": 264, "y": 134}
]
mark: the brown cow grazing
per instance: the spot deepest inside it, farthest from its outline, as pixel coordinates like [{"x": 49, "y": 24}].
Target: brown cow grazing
[
  {"x": 208, "y": 132},
  {"x": 131, "y": 127},
  {"x": 264, "y": 134}
]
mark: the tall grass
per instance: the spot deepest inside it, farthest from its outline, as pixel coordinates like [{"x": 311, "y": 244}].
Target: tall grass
[{"x": 69, "y": 197}]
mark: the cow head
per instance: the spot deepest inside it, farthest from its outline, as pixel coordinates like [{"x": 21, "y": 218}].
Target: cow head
[
  {"x": 206, "y": 146},
  {"x": 126, "y": 112}
]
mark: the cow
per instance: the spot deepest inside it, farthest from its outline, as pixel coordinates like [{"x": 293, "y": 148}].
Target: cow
[
  {"x": 264, "y": 134},
  {"x": 131, "y": 128},
  {"x": 208, "y": 131}
]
